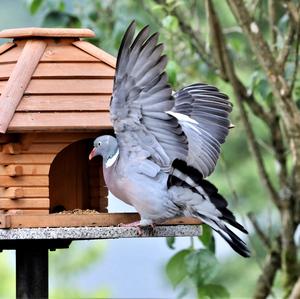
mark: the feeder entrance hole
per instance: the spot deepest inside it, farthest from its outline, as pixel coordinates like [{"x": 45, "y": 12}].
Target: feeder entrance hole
[{"x": 75, "y": 182}]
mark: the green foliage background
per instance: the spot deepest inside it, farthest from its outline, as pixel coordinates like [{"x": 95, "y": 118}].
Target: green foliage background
[{"x": 236, "y": 174}]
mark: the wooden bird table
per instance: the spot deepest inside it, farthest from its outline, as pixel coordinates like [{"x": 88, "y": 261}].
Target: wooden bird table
[{"x": 33, "y": 244}]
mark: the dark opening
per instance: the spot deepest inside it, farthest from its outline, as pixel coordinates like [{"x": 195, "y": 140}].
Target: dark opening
[{"x": 75, "y": 182}]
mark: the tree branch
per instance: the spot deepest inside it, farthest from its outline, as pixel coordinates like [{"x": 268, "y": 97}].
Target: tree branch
[
  {"x": 285, "y": 51},
  {"x": 230, "y": 72},
  {"x": 266, "y": 241},
  {"x": 293, "y": 11},
  {"x": 265, "y": 281}
]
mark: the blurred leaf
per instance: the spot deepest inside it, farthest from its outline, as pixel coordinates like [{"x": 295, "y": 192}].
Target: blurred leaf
[
  {"x": 35, "y": 5},
  {"x": 202, "y": 266},
  {"x": 172, "y": 69},
  {"x": 170, "y": 23},
  {"x": 61, "y": 19},
  {"x": 61, "y": 6},
  {"x": 212, "y": 291},
  {"x": 170, "y": 242},
  {"x": 207, "y": 238},
  {"x": 176, "y": 269}
]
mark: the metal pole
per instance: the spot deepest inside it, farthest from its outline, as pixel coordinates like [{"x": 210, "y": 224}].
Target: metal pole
[{"x": 32, "y": 271}]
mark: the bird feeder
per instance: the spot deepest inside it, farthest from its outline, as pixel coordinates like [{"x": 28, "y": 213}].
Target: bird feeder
[{"x": 55, "y": 93}]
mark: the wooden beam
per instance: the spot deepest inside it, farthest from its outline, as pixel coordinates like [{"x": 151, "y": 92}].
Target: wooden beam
[
  {"x": 11, "y": 148},
  {"x": 27, "y": 212},
  {"x": 67, "y": 121},
  {"x": 12, "y": 192},
  {"x": 19, "y": 192},
  {"x": 6, "y": 46},
  {"x": 26, "y": 159},
  {"x": 11, "y": 170},
  {"x": 60, "y": 137},
  {"x": 102, "y": 219},
  {"x": 46, "y": 32},
  {"x": 4, "y": 221},
  {"x": 17, "y": 170},
  {"x": 96, "y": 52},
  {"x": 46, "y": 103},
  {"x": 24, "y": 203},
  {"x": 70, "y": 86},
  {"x": 19, "y": 79},
  {"x": 44, "y": 148},
  {"x": 24, "y": 181}
]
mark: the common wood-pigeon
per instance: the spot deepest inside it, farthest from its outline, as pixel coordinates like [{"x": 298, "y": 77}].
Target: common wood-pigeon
[{"x": 165, "y": 144}]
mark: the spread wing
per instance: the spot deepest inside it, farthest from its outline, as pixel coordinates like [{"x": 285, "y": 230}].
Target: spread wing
[
  {"x": 209, "y": 109},
  {"x": 141, "y": 95}
]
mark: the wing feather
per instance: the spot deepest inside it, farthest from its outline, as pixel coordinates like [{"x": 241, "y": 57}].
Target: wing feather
[{"x": 141, "y": 95}]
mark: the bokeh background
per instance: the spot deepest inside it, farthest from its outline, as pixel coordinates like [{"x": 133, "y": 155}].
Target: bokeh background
[{"x": 132, "y": 268}]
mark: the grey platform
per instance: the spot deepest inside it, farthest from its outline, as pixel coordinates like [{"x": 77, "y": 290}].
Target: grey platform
[{"x": 90, "y": 233}]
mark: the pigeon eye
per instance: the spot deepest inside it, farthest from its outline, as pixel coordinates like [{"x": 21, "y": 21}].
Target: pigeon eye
[{"x": 99, "y": 143}]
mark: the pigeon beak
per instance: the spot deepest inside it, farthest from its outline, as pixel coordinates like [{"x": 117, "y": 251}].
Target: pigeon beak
[{"x": 92, "y": 153}]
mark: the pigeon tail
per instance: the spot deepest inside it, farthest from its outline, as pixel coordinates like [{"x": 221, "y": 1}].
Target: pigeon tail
[{"x": 210, "y": 207}]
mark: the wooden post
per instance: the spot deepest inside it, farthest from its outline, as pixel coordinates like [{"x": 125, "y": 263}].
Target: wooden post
[{"x": 32, "y": 271}]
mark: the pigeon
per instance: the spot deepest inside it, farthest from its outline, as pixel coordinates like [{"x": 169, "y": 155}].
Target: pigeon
[{"x": 165, "y": 143}]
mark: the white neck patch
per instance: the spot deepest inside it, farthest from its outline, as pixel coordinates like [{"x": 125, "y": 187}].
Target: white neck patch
[{"x": 110, "y": 162}]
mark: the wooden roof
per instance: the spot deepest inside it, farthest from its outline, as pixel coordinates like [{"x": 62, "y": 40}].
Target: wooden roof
[{"x": 54, "y": 84}]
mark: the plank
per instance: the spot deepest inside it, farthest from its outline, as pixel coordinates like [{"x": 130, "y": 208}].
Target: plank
[
  {"x": 44, "y": 148},
  {"x": 47, "y": 32},
  {"x": 12, "y": 92},
  {"x": 27, "y": 212},
  {"x": 24, "y": 181},
  {"x": 64, "y": 70},
  {"x": 26, "y": 159},
  {"x": 13, "y": 170},
  {"x": 24, "y": 203},
  {"x": 64, "y": 137},
  {"x": 70, "y": 86},
  {"x": 6, "y": 46},
  {"x": 66, "y": 53},
  {"x": 96, "y": 52},
  {"x": 53, "y": 53},
  {"x": 64, "y": 103},
  {"x": 18, "y": 192},
  {"x": 11, "y": 192},
  {"x": 47, "y": 121},
  {"x": 102, "y": 219},
  {"x": 11, "y": 148}
]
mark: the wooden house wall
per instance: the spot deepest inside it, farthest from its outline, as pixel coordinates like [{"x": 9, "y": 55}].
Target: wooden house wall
[{"x": 25, "y": 162}]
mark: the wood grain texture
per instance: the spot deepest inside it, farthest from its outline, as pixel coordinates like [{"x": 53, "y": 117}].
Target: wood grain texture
[
  {"x": 43, "y": 148},
  {"x": 102, "y": 219},
  {"x": 6, "y": 159},
  {"x": 96, "y": 52},
  {"x": 46, "y": 32},
  {"x": 24, "y": 181},
  {"x": 60, "y": 137},
  {"x": 24, "y": 203},
  {"x": 32, "y": 103},
  {"x": 12, "y": 92},
  {"x": 15, "y": 170},
  {"x": 63, "y": 70},
  {"x": 38, "y": 212},
  {"x": 72, "y": 121},
  {"x": 18, "y": 192},
  {"x": 69, "y": 86},
  {"x": 6, "y": 46}
]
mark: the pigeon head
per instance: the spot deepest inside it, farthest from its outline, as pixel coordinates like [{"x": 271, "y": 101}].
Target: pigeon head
[{"x": 105, "y": 146}]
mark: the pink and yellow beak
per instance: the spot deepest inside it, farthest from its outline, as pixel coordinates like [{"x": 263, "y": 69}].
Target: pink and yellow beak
[{"x": 92, "y": 154}]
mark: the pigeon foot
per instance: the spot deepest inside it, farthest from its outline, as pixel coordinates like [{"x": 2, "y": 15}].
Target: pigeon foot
[{"x": 139, "y": 225}]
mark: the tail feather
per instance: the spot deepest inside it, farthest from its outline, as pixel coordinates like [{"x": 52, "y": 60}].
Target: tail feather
[
  {"x": 211, "y": 208},
  {"x": 237, "y": 244}
]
